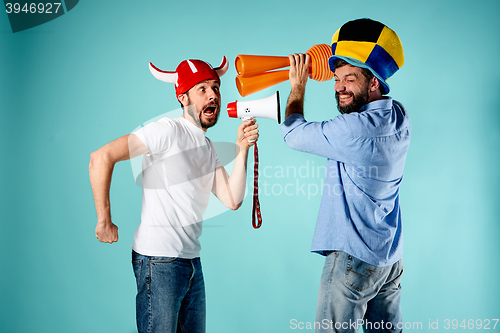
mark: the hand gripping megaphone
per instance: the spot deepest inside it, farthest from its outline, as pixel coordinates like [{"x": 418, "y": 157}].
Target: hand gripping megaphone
[
  {"x": 268, "y": 107},
  {"x": 256, "y": 73}
]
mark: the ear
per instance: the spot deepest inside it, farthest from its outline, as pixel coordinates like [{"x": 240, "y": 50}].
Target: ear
[
  {"x": 183, "y": 99},
  {"x": 374, "y": 84}
]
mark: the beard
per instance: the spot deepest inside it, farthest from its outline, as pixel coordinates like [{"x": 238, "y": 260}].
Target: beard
[
  {"x": 207, "y": 123},
  {"x": 357, "y": 102},
  {"x": 204, "y": 123}
]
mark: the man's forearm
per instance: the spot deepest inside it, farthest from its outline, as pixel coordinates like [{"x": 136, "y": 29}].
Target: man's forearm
[
  {"x": 231, "y": 189},
  {"x": 100, "y": 171},
  {"x": 295, "y": 102},
  {"x": 299, "y": 73},
  {"x": 237, "y": 180}
]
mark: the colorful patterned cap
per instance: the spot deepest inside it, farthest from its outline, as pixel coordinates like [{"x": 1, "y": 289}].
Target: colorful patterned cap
[{"x": 368, "y": 44}]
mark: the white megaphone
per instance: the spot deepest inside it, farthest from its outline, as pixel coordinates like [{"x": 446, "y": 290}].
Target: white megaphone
[{"x": 268, "y": 107}]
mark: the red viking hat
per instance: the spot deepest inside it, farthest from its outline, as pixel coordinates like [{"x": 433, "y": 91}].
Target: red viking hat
[{"x": 189, "y": 73}]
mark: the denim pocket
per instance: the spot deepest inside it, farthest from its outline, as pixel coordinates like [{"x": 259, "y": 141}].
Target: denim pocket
[
  {"x": 162, "y": 260},
  {"x": 360, "y": 275},
  {"x": 137, "y": 265},
  {"x": 396, "y": 280},
  {"x": 331, "y": 264}
]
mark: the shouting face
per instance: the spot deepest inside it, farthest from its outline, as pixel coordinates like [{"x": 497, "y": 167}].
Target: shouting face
[{"x": 203, "y": 101}]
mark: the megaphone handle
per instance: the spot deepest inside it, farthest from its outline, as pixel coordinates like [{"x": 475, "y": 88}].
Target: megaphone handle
[
  {"x": 256, "y": 215},
  {"x": 245, "y": 118}
]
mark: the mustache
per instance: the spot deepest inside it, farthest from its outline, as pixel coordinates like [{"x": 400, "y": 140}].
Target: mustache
[
  {"x": 211, "y": 105},
  {"x": 344, "y": 93}
]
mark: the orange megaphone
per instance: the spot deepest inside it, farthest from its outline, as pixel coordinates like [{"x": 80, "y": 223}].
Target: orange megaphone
[{"x": 256, "y": 73}]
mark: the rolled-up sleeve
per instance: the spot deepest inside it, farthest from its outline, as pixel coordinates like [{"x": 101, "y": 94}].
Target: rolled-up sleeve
[{"x": 329, "y": 139}]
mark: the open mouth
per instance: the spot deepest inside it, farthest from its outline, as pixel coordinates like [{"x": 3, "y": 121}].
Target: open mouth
[
  {"x": 343, "y": 98},
  {"x": 210, "y": 111}
]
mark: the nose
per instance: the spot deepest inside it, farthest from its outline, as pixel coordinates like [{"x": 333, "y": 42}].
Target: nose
[
  {"x": 339, "y": 86},
  {"x": 212, "y": 95}
]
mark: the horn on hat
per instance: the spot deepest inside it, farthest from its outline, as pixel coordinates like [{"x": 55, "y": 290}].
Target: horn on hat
[
  {"x": 222, "y": 69},
  {"x": 170, "y": 77}
]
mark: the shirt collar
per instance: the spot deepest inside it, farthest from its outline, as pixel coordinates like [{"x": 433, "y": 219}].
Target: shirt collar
[{"x": 384, "y": 104}]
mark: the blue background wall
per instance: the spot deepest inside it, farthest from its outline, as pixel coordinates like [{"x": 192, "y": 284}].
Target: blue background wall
[{"x": 73, "y": 84}]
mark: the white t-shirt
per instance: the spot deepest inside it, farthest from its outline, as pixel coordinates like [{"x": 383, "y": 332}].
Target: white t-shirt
[{"x": 177, "y": 177}]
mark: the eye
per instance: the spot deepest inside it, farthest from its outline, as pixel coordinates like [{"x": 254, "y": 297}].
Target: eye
[
  {"x": 202, "y": 89},
  {"x": 216, "y": 89}
]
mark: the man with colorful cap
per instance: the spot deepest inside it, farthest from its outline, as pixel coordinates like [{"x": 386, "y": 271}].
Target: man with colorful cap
[
  {"x": 359, "y": 228},
  {"x": 180, "y": 169}
]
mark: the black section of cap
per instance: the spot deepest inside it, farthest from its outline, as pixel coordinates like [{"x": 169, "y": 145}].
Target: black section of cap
[{"x": 362, "y": 30}]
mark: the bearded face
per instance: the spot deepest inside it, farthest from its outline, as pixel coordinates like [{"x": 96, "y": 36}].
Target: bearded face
[
  {"x": 351, "y": 89},
  {"x": 207, "y": 116},
  {"x": 356, "y": 101},
  {"x": 202, "y": 103}
]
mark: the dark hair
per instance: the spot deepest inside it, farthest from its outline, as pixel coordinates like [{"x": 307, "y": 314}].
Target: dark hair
[{"x": 366, "y": 72}]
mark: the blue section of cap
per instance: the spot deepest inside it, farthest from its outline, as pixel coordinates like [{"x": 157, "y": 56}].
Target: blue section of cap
[
  {"x": 382, "y": 62},
  {"x": 334, "y": 47}
]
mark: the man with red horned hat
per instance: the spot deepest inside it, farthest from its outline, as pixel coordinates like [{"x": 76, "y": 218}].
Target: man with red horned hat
[
  {"x": 359, "y": 225},
  {"x": 180, "y": 168}
]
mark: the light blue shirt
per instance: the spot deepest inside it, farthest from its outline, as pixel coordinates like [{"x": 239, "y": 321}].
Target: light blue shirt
[{"x": 366, "y": 153}]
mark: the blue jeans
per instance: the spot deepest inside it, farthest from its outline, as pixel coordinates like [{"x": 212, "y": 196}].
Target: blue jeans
[
  {"x": 353, "y": 293},
  {"x": 170, "y": 294}
]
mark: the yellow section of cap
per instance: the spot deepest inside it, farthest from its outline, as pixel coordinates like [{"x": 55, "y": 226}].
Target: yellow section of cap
[
  {"x": 356, "y": 50},
  {"x": 335, "y": 37},
  {"x": 391, "y": 43}
]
